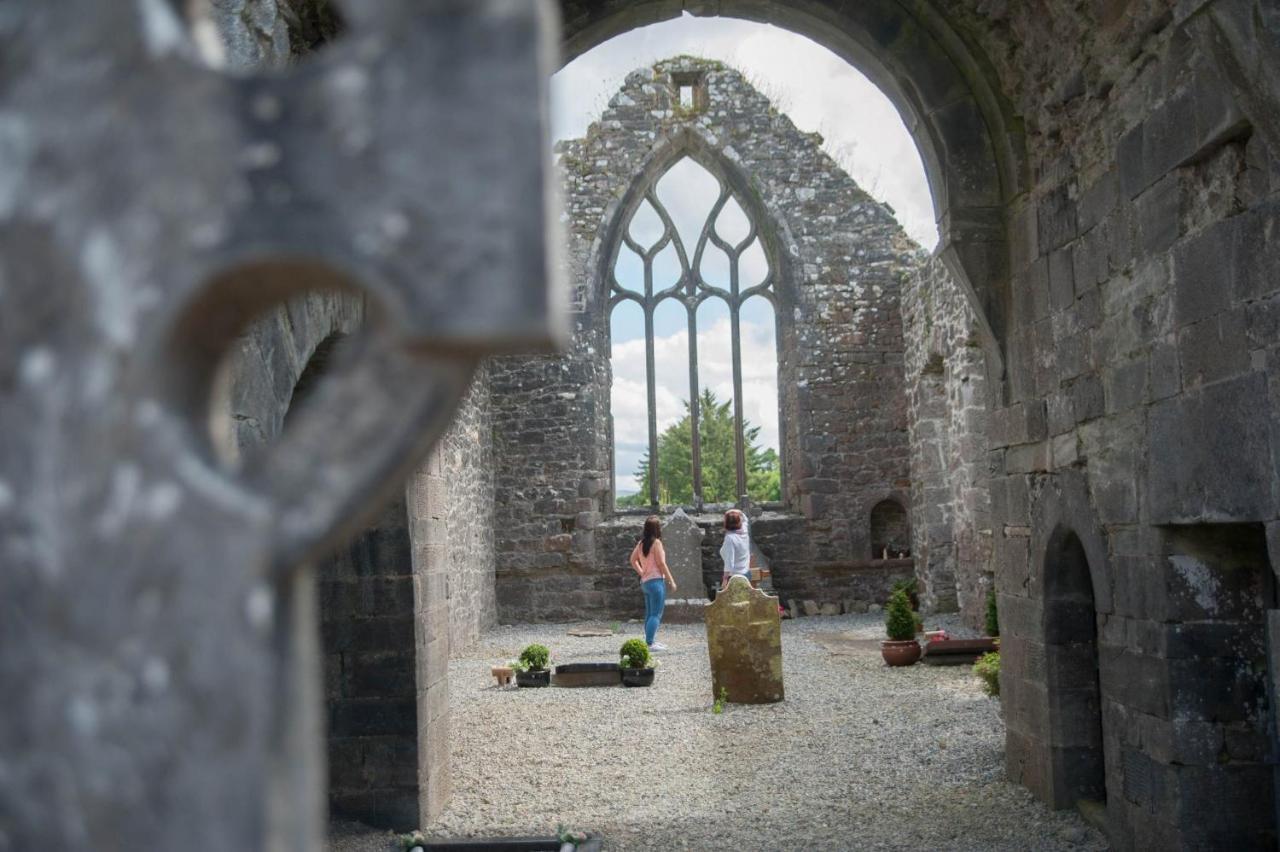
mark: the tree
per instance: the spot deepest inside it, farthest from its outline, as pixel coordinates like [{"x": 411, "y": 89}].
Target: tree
[{"x": 719, "y": 471}]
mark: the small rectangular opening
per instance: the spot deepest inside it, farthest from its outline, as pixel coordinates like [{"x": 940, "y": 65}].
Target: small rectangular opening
[{"x": 689, "y": 91}]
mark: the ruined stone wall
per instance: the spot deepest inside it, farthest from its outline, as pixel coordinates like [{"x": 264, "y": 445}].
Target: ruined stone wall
[
  {"x": 551, "y": 477},
  {"x": 466, "y": 463},
  {"x": 838, "y": 254},
  {"x": 947, "y": 394},
  {"x": 1140, "y": 436}
]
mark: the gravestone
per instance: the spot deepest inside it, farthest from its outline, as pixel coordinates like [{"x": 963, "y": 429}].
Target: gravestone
[
  {"x": 157, "y": 636},
  {"x": 682, "y": 540},
  {"x": 744, "y": 641}
]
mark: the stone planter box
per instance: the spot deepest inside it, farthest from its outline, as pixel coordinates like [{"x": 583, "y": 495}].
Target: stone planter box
[
  {"x": 534, "y": 677},
  {"x": 637, "y": 677},
  {"x": 957, "y": 652},
  {"x": 588, "y": 674},
  {"x": 509, "y": 844}
]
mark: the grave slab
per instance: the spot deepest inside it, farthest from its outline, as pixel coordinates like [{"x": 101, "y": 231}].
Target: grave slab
[{"x": 744, "y": 641}]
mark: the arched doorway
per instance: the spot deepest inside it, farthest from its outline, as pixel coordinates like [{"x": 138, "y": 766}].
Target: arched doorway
[
  {"x": 1077, "y": 766},
  {"x": 369, "y": 651}
]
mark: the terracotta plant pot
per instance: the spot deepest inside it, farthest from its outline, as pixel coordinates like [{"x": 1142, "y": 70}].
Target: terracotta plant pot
[
  {"x": 534, "y": 677},
  {"x": 900, "y": 653},
  {"x": 503, "y": 674},
  {"x": 637, "y": 677}
]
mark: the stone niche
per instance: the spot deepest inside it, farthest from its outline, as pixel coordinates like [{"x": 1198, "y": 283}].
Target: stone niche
[{"x": 839, "y": 259}]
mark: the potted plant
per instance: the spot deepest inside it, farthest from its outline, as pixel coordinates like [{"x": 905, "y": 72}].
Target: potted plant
[
  {"x": 531, "y": 668},
  {"x": 635, "y": 664},
  {"x": 901, "y": 648}
]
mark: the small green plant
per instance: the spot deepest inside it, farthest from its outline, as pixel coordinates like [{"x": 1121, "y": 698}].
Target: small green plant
[
  {"x": 615, "y": 627},
  {"x": 717, "y": 706},
  {"x": 567, "y": 835},
  {"x": 908, "y": 586},
  {"x": 993, "y": 617},
  {"x": 411, "y": 840},
  {"x": 635, "y": 654},
  {"x": 899, "y": 620},
  {"x": 533, "y": 658},
  {"x": 988, "y": 669}
]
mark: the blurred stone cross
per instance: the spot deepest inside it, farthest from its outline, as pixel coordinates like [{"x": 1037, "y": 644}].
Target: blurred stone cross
[{"x": 157, "y": 659}]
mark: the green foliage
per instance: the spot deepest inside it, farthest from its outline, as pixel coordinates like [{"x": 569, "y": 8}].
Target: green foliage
[
  {"x": 915, "y": 616},
  {"x": 717, "y": 706},
  {"x": 719, "y": 470},
  {"x": 993, "y": 617},
  {"x": 899, "y": 620},
  {"x": 988, "y": 669},
  {"x": 635, "y": 654},
  {"x": 567, "y": 835},
  {"x": 411, "y": 840},
  {"x": 534, "y": 657},
  {"x": 908, "y": 586}
]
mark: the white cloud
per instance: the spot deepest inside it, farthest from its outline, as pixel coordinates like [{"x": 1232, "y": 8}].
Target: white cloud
[
  {"x": 671, "y": 369},
  {"x": 812, "y": 85}
]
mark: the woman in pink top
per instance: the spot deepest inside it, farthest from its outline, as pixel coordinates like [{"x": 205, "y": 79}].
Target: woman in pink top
[{"x": 649, "y": 560}]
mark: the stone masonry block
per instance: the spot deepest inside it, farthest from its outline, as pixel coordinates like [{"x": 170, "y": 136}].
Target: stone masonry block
[{"x": 1219, "y": 437}]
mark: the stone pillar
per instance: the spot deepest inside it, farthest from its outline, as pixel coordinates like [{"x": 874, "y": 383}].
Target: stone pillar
[{"x": 429, "y": 505}]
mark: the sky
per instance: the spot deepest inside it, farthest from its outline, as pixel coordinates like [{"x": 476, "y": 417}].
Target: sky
[{"x": 820, "y": 92}]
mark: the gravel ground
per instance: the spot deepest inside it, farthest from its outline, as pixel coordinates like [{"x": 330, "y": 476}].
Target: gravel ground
[{"x": 858, "y": 756}]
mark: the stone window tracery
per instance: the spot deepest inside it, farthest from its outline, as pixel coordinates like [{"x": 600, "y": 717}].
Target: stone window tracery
[{"x": 690, "y": 255}]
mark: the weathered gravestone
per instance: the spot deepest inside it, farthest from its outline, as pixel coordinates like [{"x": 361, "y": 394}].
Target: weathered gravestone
[
  {"x": 157, "y": 642},
  {"x": 744, "y": 640},
  {"x": 682, "y": 540}
]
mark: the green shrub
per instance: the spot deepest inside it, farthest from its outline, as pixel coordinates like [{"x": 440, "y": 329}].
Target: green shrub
[
  {"x": 635, "y": 654},
  {"x": 899, "y": 621},
  {"x": 535, "y": 657},
  {"x": 988, "y": 669},
  {"x": 993, "y": 617},
  {"x": 908, "y": 586}
]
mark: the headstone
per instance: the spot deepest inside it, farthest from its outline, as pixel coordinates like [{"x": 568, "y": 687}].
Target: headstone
[
  {"x": 744, "y": 640},
  {"x": 158, "y": 650},
  {"x": 682, "y": 540}
]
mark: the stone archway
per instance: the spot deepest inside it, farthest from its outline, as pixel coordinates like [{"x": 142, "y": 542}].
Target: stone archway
[{"x": 1077, "y": 766}]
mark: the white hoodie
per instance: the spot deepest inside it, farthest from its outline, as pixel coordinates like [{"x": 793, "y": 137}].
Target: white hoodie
[{"x": 736, "y": 551}]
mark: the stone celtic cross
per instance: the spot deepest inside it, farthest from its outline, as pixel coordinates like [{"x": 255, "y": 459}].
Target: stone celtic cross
[{"x": 154, "y": 653}]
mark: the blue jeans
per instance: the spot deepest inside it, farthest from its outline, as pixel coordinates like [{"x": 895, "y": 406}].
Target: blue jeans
[{"x": 655, "y": 598}]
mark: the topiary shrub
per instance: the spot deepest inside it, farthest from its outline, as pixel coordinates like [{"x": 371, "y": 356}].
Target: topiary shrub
[
  {"x": 899, "y": 620},
  {"x": 988, "y": 669},
  {"x": 908, "y": 586},
  {"x": 635, "y": 654},
  {"x": 534, "y": 657},
  {"x": 993, "y": 617}
]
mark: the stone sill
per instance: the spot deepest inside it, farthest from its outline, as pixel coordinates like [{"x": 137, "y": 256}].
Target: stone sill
[{"x": 702, "y": 519}]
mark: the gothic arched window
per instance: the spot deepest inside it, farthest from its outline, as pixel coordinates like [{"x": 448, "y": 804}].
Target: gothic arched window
[{"x": 688, "y": 280}]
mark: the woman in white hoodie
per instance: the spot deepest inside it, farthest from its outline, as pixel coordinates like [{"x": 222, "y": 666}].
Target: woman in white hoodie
[{"x": 736, "y": 550}]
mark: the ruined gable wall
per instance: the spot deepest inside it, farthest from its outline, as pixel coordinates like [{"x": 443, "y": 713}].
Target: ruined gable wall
[
  {"x": 840, "y": 360},
  {"x": 948, "y": 399}
]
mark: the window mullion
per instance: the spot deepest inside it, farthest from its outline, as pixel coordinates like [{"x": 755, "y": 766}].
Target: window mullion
[
  {"x": 739, "y": 444},
  {"x": 695, "y": 414}
]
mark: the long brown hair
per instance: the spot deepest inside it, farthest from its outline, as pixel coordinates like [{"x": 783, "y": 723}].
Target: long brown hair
[{"x": 652, "y": 532}]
